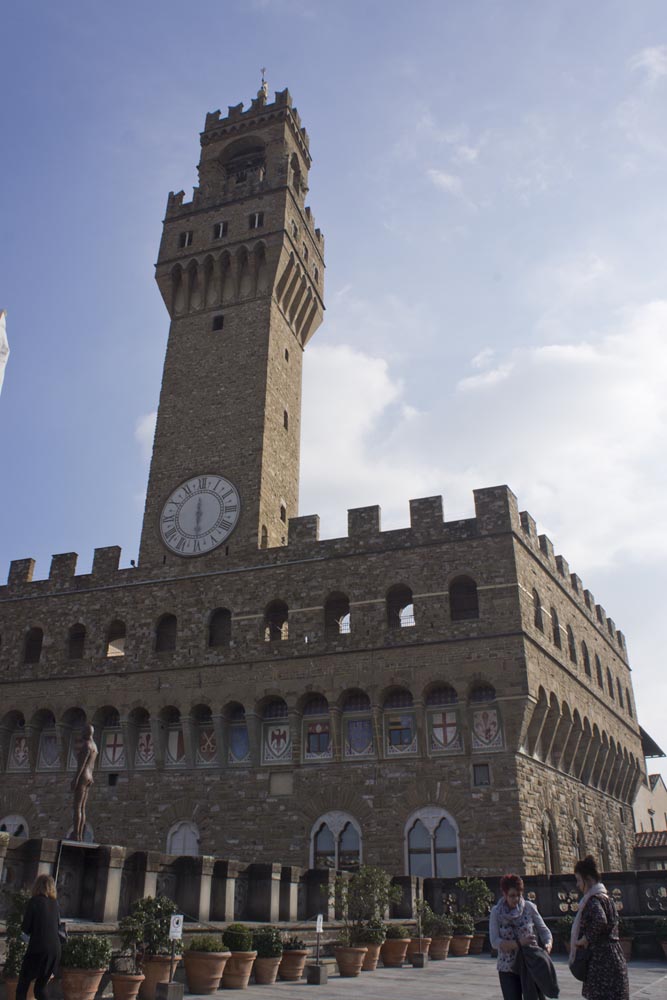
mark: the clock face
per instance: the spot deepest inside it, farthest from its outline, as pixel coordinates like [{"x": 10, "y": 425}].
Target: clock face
[{"x": 199, "y": 515}]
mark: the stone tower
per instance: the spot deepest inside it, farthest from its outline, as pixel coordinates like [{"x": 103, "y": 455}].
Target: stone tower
[{"x": 240, "y": 270}]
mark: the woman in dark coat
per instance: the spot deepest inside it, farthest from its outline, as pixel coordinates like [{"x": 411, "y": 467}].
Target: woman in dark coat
[
  {"x": 596, "y": 928},
  {"x": 42, "y": 923}
]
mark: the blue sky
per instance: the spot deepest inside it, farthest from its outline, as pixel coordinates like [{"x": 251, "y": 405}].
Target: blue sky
[{"x": 489, "y": 176}]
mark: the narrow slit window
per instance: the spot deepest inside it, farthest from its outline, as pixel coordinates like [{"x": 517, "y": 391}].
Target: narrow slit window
[
  {"x": 218, "y": 322},
  {"x": 256, "y": 220},
  {"x": 219, "y": 230},
  {"x": 185, "y": 239}
]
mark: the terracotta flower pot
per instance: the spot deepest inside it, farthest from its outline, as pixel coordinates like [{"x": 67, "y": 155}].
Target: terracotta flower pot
[
  {"x": 80, "y": 984},
  {"x": 460, "y": 944},
  {"x": 418, "y": 945},
  {"x": 349, "y": 960},
  {"x": 439, "y": 948},
  {"x": 125, "y": 985},
  {"x": 236, "y": 975},
  {"x": 371, "y": 958},
  {"x": 626, "y": 945},
  {"x": 11, "y": 982},
  {"x": 477, "y": 944},
  {"x": 265, "y": 970},
  {"x": 393, "y": 952},
  {"x": 292, "y": 965},
  {"x": 155, "y": 970},
  {"x": 203, "y": 969}
]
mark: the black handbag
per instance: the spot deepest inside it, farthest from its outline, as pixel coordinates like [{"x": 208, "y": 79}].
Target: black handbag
[{"x": 579, "y": 967}]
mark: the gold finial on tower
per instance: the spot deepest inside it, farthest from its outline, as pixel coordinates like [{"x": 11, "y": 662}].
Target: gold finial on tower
[{"x": 263, "y": 92}]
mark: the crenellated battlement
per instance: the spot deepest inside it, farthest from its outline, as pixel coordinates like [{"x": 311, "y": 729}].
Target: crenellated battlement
[
  {"x": 496, "y": 513},
  {"x": 237, "y": 119}
]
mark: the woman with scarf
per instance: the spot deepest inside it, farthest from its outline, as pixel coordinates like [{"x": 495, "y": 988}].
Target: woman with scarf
[
  {"x": 515, "y": 921},
  {"x": 596, "y": 929}
]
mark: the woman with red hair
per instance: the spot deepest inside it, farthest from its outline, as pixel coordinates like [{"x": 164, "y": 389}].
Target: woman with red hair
[{"x": 514, "y": 922}]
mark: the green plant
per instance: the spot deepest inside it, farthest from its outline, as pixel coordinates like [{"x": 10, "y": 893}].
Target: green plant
[
  {"x": 438, "y": 925},
  {"x": 374, "y": 932},
  {"x": 146, "y": 928},
  {"x": 363, "y": 898},
  {"x": 268, "y": 942},
  {"x": 86, "y": 951},
  {"x": 15, "y": 946},
  {"x": 206, "y": 942},
  {"x": 660, "y": 927},
  {"x": 237, "y": 937},
  {"x": 478, "y": 898},
  {"x": 463, "y": 922},
  {"x": 293, "y": 943},
  {"x": 397, "y": 931}
]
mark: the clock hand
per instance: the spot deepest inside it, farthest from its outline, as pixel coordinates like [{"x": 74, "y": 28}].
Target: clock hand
[{"x": 198, "y": 516}]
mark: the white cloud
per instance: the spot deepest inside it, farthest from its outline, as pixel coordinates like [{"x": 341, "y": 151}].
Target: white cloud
[
  {"x": 652, "y": 61},
  {"x": 144, "y": 432},
  {"x": 446, "y": 182}
]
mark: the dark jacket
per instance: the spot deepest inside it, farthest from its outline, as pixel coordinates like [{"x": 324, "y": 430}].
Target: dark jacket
[
  {"x": 537, "y": 973},
  {"x": 41, "y": 922}
]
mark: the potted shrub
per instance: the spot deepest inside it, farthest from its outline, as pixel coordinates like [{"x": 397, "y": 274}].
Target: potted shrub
[
  {"x": 146, "y": 929},
  {"x": 440, "y": 928},
  {"x": 626, "y": 934},
  {"x": 15, "y": 946},
  {"x": 85, "y": 959},
  {"x": 419, "y": 946},
  {"x": 237, "y": 939},
  {"x": 563, "y": 931},
  {"x": 363, "y": 898},
  {"x": 660, "y": 927},
  {"x": 373, "y": 936},
  {"x": 395, "y": 947},
  {"x": 293, "y": 961},
  {"x": 463, "y": 928},
  {"x": 126, "y": 976},
  {"x": 204, "y": 960},
  {"x": 478, "y": 900},
  {"x": 268, "y": 944}
]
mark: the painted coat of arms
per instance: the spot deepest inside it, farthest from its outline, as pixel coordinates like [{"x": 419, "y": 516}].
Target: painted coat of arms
[
  {"x": 113, "y": 749},
  {"x": 277, "y": 746},
  {"x": 445, "y": 732},
  {"x": 49, "y": 751},
  {"x": 175, "y": 749},
  {"x": 318, "y": 741},
  {"x": 359, "y": 738},
  {"x": 207, "y": 746},
  {"x": 19, "y": 757},
  {"x": 486, "y": 732},
  {"x": 144, "y": 755},
  {"x": 239, "y": 744}
]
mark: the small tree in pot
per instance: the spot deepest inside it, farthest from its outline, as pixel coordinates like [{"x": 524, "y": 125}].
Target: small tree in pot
[
  {"x": 237, "y": 938},
  {"x": 268, "y": 944},
  {"x": 85, "y": 959},
  {"x": 439, "y": 927},
  {"x": 364, "y": 899},
  {"x": 464, "y": 928},
  {"x": 146, "y": 929},
  {"x": 478, "y": 900},
  {"x": 204, "y": 960},
  {"x": 395, "y": 947},
  {"x": 15, "y": 946}
]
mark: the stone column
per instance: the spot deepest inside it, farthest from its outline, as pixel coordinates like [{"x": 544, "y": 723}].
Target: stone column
[
  {"x": 223, "y": 890},
  {"x": 318, "y": 883},
  {"x": 158, "y": 731},
  {"x": 421, "y": 729},
  {"x": 205, "y": 887},
  {"x": 129, "y": 743},
  {"x": 290, "y": 877},
  {"x": 264, "y": 892},
  {"x": 110, "y": 862},
  {"x": 294, "y": 720},
  {"x": 151, "y": 870},
  {"x": 190, "y": 739},
  {"x": 408, "y": 884},
  {"x": 221, "y": 749},
  {"x": 254, "y": 725},
  {"x": 335, "y": 732}
]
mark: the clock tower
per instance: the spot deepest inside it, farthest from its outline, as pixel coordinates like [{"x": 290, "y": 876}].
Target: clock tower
[{"x": 240, "y": 270}]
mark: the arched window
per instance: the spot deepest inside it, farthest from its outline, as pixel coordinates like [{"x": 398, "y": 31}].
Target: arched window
[
  {"x": 165, "y": 634},
  {"x": 555, "y": 628},
  {"x": 220, "y": 627},
  {"x": 335, "y": 842},
  {"x": 628, "y": 702},
  {"x": 549, "y": 847},
  {"x": 619, "y": 689},
  {"x": 586, "y": 658},
  {"x": 276, "y": 733},
  {"x": 610, "y": 684},
  {"x": 183, "y": 839},
  {"x": 76, "y": 642},
  {"x": 276, "y": 621},
  {"x": 116, "y": 638},
  {"x": 316, "y": 729},
  {"x": 32, "y": 646},
  {"x": 463, "y": 601},
  {"x": 482, "y": 692},
  {"x": 400, "y": 609},
  {"x": 571, "y": 645},
  {"x": 337, "y": 614},
  {"x": 598, "y": 671},
  {"x": 538, "y": 618},
  {"x": 14, "y": 825},
  {"x": 432, "y": 844},
  {"x": 357, "y": 725},
  {"x": 400, "y": 729},
  {"x": 443, "y": 720}
]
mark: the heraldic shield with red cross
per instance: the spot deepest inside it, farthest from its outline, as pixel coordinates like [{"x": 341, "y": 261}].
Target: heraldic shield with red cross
[
  {"x": 445, "y": 734},
  {"x": 113, "y": 749}
]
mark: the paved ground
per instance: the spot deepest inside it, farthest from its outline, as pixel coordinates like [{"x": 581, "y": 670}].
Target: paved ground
[{"x": 469, "y": 978}]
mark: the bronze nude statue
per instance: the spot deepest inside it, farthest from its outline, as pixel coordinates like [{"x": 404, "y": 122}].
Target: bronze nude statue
[{"x": 81, "y": 782}]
